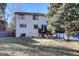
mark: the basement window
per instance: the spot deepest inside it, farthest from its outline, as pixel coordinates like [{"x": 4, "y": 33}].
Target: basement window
[{"x": 23, "y": 35}]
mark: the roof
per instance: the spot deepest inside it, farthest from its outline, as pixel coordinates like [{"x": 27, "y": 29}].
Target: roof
[{"x": 29, "y": 13}]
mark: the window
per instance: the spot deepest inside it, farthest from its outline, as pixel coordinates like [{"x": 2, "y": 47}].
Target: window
[
  {"x": 21, "y": 16},
  {"x": 23, "y": 35},
  {"x": 44, "y": 27},
  {"x": 47, "y": 21},
  {"x": 35, "y": 26},
  {"x": 35, "y": 17},
  {"x": 23, "y": 25}
]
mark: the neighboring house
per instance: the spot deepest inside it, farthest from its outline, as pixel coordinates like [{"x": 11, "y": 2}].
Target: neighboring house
[
  {"x": 3, "y": 23},
  {"x": 3, "y": 27},
  {"x": 28, "y": 24}
]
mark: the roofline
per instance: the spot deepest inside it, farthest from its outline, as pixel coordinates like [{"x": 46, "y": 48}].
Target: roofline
[{"x": 29, "y": 13}]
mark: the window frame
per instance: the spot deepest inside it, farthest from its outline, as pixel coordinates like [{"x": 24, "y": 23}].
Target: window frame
[
  {"x": 21, "y": 16},
  {"x": 35, "y": 17},
  {"x": 23, "y": 25},
  {"x": 36, "y": 26}
]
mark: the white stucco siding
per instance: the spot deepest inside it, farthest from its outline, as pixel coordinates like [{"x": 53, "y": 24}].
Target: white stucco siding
[
  {"x": 43, "y": 20},
  {"x": 29, "y": 30}
]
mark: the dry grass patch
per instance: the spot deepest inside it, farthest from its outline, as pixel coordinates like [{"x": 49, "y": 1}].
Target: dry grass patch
[{"x": 38, "y": 47}]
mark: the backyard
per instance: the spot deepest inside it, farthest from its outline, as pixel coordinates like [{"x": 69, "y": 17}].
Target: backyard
[{"x": 10, "y": 46}]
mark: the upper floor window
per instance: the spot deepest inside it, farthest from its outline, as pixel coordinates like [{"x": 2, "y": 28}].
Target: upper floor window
[
  {"x": 35, "y": 17},
  {"x": 21, "y": 16},
  {"x": 23, "y": 25}
]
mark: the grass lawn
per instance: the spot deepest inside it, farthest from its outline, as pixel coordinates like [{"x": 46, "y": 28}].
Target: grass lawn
[{"x": 37, "y": 47}]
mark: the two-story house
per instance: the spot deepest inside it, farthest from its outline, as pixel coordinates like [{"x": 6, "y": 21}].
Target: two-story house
[{"x": 28, "y": 24}]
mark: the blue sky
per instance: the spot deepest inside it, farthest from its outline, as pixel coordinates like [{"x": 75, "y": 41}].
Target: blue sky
[{"x": 26, "y": 7}]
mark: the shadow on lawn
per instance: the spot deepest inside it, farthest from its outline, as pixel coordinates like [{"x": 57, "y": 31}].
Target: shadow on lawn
[
  {"x": 39, "y": 50},
  {"x": 3, "y": 54},
  {"x": 49, "y": 50}
]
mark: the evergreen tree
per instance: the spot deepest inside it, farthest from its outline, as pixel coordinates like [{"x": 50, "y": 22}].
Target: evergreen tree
[
  {"x": 2, "y": 10},
  {"x": 64, "y": 15}
]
